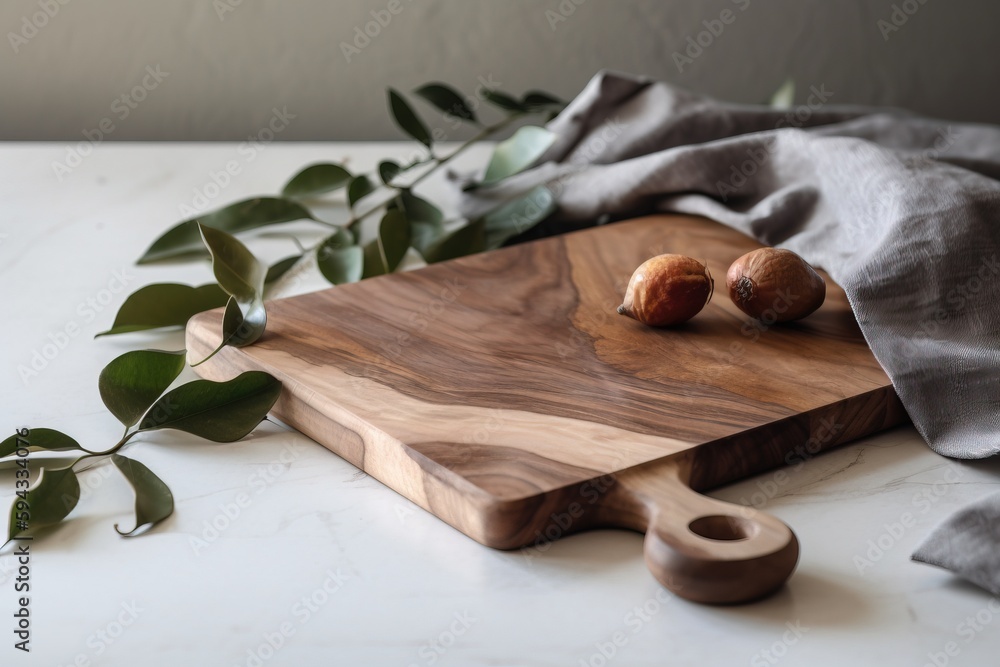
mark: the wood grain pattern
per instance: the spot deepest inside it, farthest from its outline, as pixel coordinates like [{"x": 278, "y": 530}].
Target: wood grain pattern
[{"x": 503, "y": 393}]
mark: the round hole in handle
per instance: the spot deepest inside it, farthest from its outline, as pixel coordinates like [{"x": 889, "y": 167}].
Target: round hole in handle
[{"x": 724, "y": 528}]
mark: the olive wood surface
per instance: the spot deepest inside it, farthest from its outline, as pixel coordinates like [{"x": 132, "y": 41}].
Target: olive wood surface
[{"x": 504, "y": 394}]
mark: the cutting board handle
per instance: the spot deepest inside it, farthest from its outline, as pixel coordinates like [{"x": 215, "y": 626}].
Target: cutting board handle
[{"x": 702, "y": 549}]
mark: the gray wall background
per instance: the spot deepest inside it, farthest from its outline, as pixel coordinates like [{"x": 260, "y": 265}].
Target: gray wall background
[{"x": 64, "y": 63}]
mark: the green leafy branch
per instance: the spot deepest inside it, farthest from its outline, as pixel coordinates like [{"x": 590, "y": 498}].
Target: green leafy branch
[
  {"x": 134, "y": 387},
  {"x": 408, "y": 221}
]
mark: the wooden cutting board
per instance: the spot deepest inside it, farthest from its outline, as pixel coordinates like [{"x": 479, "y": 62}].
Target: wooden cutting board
[{"x": 504, "y": 394}]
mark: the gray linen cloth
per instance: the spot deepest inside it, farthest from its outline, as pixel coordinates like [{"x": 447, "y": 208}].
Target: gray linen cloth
[
  {"x": 968, "y": 543},
  {"x": 902, "y": 211}
]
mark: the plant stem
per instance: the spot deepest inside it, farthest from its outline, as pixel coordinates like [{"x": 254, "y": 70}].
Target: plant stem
[
  {"x": 121, "y": 443},
  {"x": 436, "y": 163},
  {"x": 358, "y": 218},
  {"x": 482, "y": 134},
  {"x": 381, "y": 253},
  {"x": 324, "y": 223}
]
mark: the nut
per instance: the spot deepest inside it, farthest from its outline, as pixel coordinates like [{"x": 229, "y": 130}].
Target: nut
[
  {"x": 775, "y": 284},
  {"x": 667, "y": 290}
]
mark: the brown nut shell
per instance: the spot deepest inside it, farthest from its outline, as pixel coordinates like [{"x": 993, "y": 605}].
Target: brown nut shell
[
  {"x": 667, "y": 290},
  {"x": 775, "y": 285}
]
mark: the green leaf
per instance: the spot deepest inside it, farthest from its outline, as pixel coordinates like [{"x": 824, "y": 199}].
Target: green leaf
[
  {"x": 447, "y": 100},
  {"x": 280, "y": 268},
  {"x": 236, "y": 269},
  {"x": 373, "y": 265},
  {"x": 345, "y": 265},
  {"x": 537, "y": 99},
  {"x": 339, "y": 259},
  {"x": 184, "y": 238},
  {"x": 232, "y": 323},
  {"x": 238, "y": 330},
  {"x": 388, "y": 170},
  {"x": 419, "y": 209},
  {"x": 394, "y": 235},
  {"x": 518, "y": 216},
  {"x": 784, "y": 97},
  {"x": 464, "y": 241},
  {"x": 426, "y": 220},
  {"x": 242, "y": 277},
  {"x": 39, "y": 439},
  {"x": 393, "y": 239},
  {"x": 342, "y": 238},
  {"x": 41, "y": 461},
  {"x": 407, "y": 119},
  {"x": 164, "y": 305},
  {"x": 518, "y": 153},
  {"x": 153, "y": 500},
  {"x": 315, "y": 180},
  {"x": 134, "y": 380},
  {"x": 503, "y": 101},
  {"x": 216, "y": 411},
  {"x": 417, "y": 162},
  {"x": 360, "y": 187},
  {"x": 49, "y": 501},
  {"x": 425, "y": 234}
]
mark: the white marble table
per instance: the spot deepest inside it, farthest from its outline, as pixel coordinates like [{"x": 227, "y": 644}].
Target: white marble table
[{"x": 335, "y": 569}]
